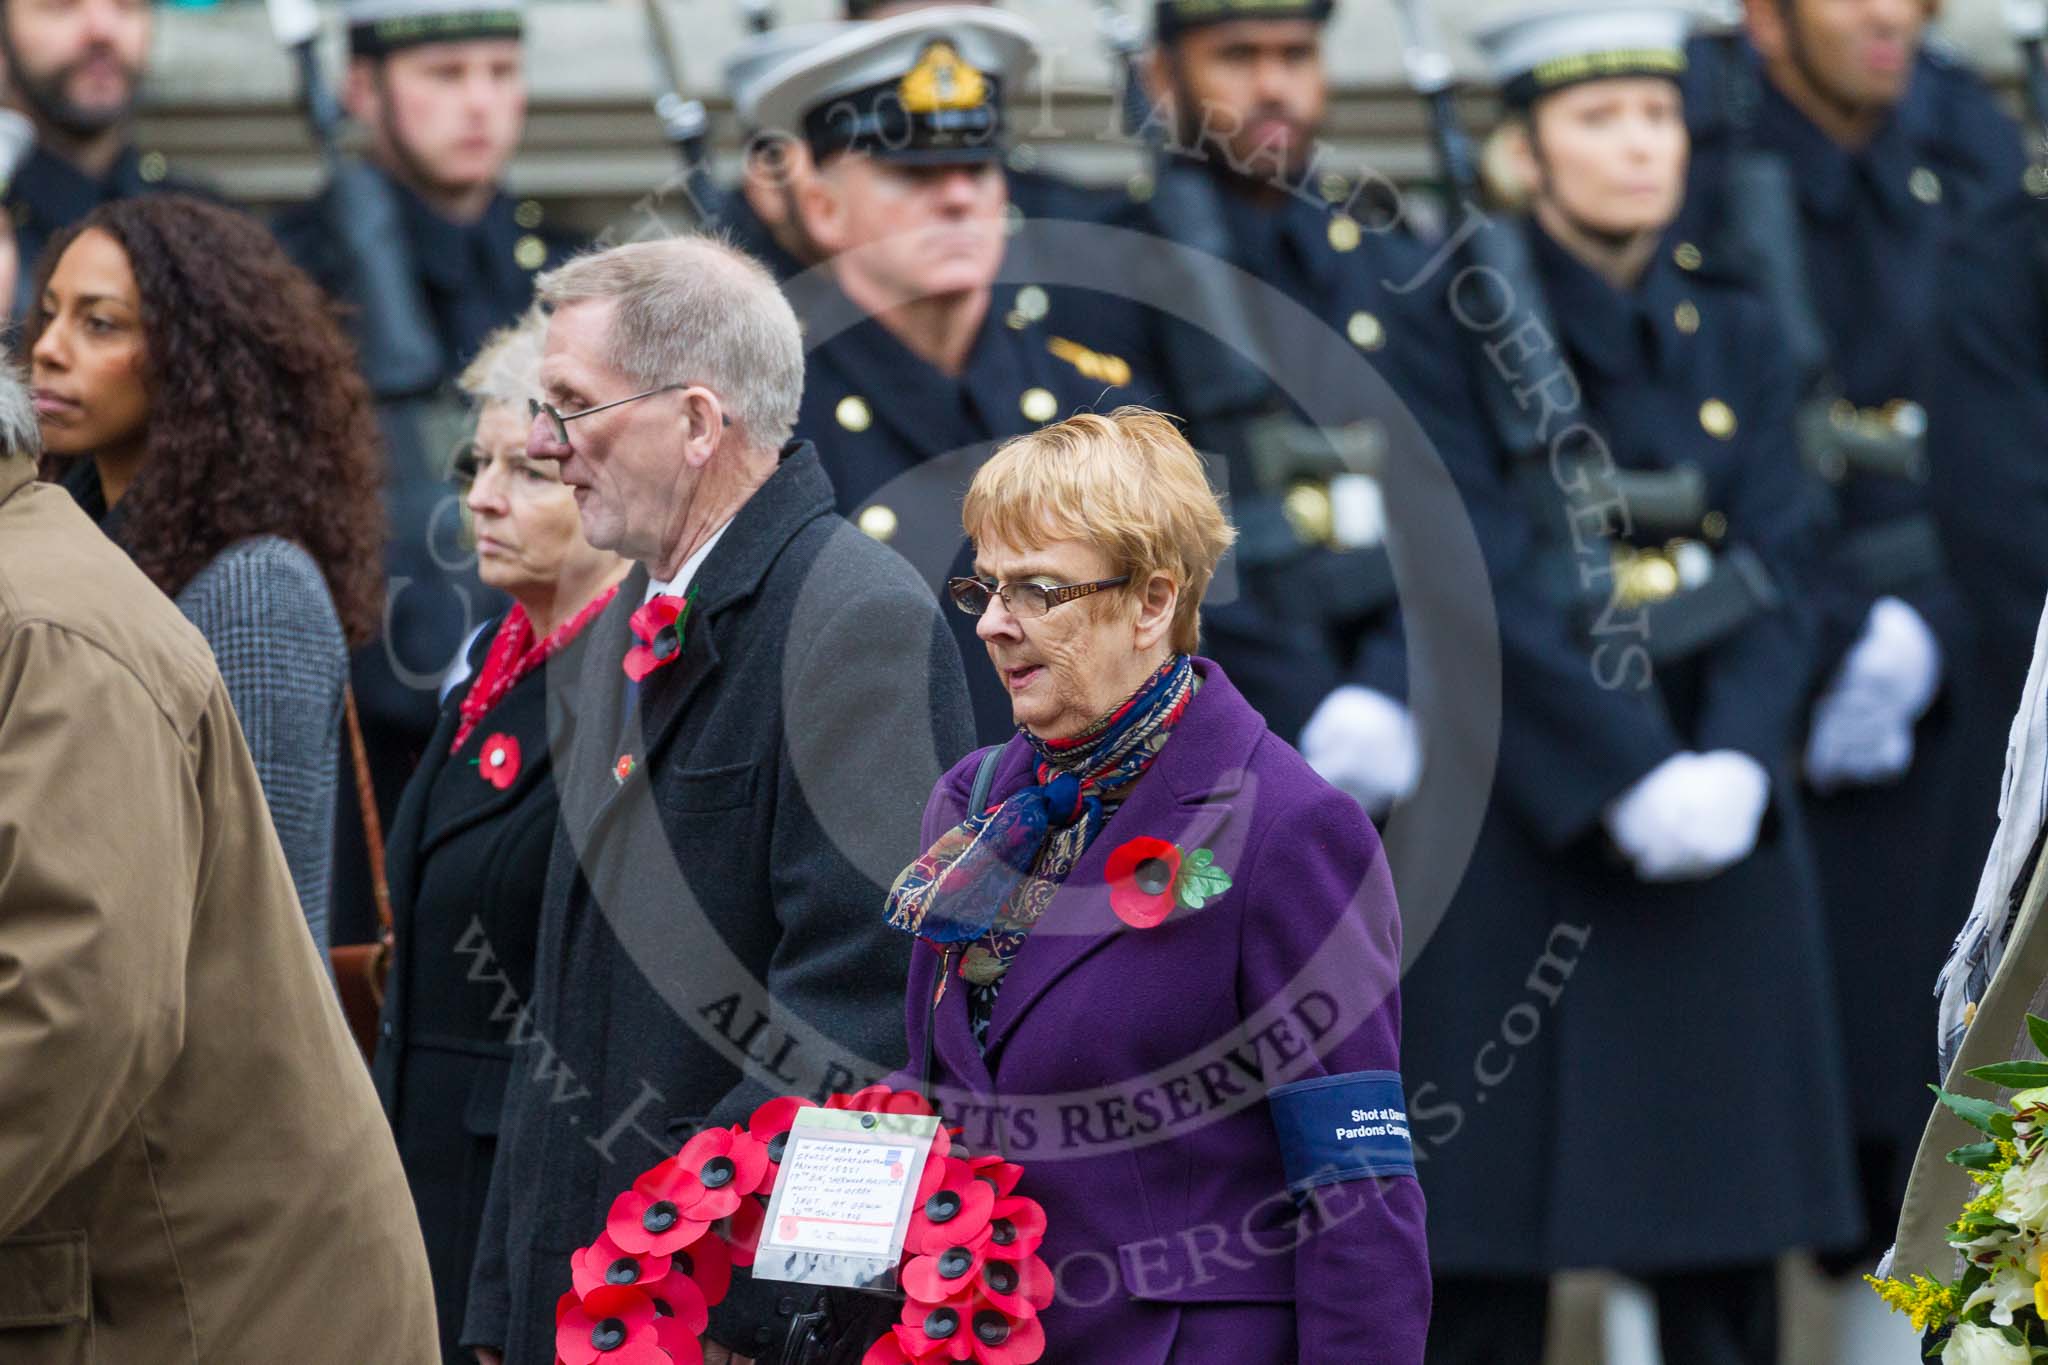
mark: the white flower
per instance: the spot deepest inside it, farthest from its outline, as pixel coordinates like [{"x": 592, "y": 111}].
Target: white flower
[
  {"x": 2023, "y": 1196},
  {"x": 1974, "y": 1345},
  {"x": 2011, "y": 1286}
]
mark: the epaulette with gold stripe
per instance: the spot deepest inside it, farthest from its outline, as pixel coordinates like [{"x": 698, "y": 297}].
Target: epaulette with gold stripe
[{"x": 1096, "y": 365}]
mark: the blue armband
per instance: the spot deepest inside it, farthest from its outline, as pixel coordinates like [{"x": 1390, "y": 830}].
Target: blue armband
[{"x": 1338, "y": 1128}]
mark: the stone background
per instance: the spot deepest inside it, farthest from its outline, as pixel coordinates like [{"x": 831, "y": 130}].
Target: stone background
[{"x": 221, "y": 99}]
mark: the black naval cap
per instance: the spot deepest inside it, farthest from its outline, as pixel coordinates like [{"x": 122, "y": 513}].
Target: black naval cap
[
  {"x": 377, "y": 28},
  {"x": 1533, "y": 52},
  {"x": 926, "y": 86},
  {"x": 1171, "y": 18}
]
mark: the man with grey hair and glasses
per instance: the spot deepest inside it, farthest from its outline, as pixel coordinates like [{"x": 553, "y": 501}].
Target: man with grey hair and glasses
[{"x": 742, "y": 763}]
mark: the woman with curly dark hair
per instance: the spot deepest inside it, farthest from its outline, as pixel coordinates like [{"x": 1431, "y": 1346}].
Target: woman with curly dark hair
[{"x": 198, "y": 397}]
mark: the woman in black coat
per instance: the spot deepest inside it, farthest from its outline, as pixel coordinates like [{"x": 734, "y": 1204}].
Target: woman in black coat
[{"x": 468, "y": 851}]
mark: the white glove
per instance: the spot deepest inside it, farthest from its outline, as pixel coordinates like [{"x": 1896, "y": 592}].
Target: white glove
[
  {"x": 1364, "y": 742},
  {"x": 1862, "y": 732},
  {"x": 1691, "y": 816}
]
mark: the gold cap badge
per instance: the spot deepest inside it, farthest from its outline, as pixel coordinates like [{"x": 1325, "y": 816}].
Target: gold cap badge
[{"x": 940, "y": 80}]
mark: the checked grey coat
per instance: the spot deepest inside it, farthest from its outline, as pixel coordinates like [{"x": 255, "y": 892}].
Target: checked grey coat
[
  {"x": 264, "y": 608},
  {"x": 720, "y": 906}
]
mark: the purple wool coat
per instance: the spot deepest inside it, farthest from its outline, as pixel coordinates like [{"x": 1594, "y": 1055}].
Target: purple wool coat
[{"x": 1127, "y": 1070}]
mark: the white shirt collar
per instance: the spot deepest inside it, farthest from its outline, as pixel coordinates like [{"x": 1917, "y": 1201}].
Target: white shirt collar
[{"x": 680, "y": 584}]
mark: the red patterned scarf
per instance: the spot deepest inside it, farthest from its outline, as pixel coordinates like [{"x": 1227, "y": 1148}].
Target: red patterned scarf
[{"x": 514, "y": 654}]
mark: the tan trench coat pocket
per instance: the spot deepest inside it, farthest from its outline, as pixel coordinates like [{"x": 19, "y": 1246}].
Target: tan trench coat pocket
[{"x": 46, "y": 1299}]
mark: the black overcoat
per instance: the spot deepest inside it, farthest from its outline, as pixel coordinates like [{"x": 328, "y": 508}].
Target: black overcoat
[
  {"x": 712, "y": 932},
  {"x": 467, "y": 862}
]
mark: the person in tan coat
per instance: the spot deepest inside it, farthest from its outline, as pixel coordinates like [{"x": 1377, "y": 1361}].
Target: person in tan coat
[
  {"x": 1996, "y": 975},
  {"x": 193, "y": 1167}
]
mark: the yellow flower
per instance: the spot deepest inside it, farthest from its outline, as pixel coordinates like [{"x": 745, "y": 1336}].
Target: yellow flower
[
  {"x": 2008, "y": 1156},
  {"x": 2041, "y": 1298},
  {"x": 1927, "y": 1302}
]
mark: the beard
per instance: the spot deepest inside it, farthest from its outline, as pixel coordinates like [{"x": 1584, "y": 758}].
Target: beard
[{"x": 45, "y": 94}]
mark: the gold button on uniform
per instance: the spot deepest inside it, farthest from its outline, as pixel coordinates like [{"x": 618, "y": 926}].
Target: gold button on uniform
[
  {"x": 1334, "y": 186},
  {"x": 1013, "y": 220},
  {"x": 1642, "y": 576},
  {"x": 1139, "y": 187},
  {"x": 853, "y": 413},
  {"x": 1714, "y": 525},
  {"x": 877, "y": 522},
  {"x": 527, "y": 214},
  {"x": 1687, "y": 317},
  {"x": 1687, "y": 256},
  {"x": 530, "y": 252},
  {"x": 1032, "y": 303},
  {"x": 1308, "y": 510},
  {"x": 1718, "y": 419},
  {"x": 1039, "y": 405},
  {"x": 2035, "y": 180},
  {"x": 1925, "y": 185},
  {"x": 153, "y": 167},
  {"x": 1365, "y": 331},
  {"x": 1344, "y": 232}
]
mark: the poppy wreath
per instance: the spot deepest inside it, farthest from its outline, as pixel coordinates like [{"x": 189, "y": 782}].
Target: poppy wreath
[{"x": 971, "y": 1276}]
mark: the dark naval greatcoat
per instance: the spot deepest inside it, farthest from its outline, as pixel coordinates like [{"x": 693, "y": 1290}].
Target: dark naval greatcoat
[
  {"x": 49, "y": 194},
  {"x": 1898, "y": 862},
  {"x": 472, "y": 279},
  {"x": 1300, "y": 624},
  {"x": 1601, "y": 1071},
  {"x": 902, "y": 440}
]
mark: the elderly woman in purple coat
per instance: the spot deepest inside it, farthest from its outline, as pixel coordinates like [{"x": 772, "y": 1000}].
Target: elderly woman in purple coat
[{"x": 1161, "y": 953}]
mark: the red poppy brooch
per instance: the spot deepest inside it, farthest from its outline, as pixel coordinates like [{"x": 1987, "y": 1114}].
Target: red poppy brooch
[
  {"x": 973, "y": 1282},
  {"x": 498, "y": 761},
  {"x": 1149, "y": 877},
  {"x": 658, "y": 626}
]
